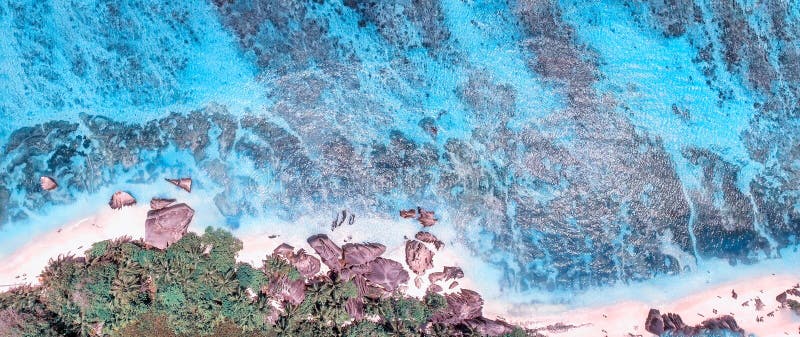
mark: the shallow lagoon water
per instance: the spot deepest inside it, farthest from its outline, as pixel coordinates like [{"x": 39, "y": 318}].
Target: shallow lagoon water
[{"x": 565, "y": 146}]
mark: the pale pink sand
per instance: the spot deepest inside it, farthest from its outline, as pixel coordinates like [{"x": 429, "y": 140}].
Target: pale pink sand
[{"x": 26, "y": 263}]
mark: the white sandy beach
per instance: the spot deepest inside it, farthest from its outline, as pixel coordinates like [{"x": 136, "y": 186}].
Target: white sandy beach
[{"x": 617, "y": 319}]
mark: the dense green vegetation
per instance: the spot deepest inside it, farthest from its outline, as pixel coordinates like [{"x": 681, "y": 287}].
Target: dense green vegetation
[{"x": 195, "y": 287}]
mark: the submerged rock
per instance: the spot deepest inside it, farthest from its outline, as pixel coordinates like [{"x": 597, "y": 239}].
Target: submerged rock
[
  {"x": 159, "y": 203},
  {"x": 386, "y": 273},
  {"x": 328, "y": 251},
  {"x": 184, "y": 183},
  {"x": 429, "y": 238},
  {"x": 48, "y": 183},
  {"x": 121, "y": 199},
  {"x": 672, "y": 324},
  {"x": 165, "y": 226},
  {"x": 360, "y": 253}
]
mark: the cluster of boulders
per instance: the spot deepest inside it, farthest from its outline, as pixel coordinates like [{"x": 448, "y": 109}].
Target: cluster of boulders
[
  {"x": 670, "y": 324},
  {"x": 378, "y": 277}
]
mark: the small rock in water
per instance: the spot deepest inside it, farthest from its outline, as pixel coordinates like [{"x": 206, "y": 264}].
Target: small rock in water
[
  {"x": 734, "y": 294},
  {"x": 121, "y": 199},
  {"x": 48, "y": 183},
  {"x": 408, "y": 213},
  {"x": 454, "y": 284},
  {"x": 184, "y": 183},
  {"x": 159, "y": 203}
]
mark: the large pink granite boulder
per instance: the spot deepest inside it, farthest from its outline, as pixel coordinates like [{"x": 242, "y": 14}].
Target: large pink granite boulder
[
  {"x": 165, "y": 226},
  {"x": 307, "y": 265},
  {"x": 461, "y": 306},
  {"x": 121, "y": 199},
  {"x": 48, "y": 183},
  {"x": 386, "y": 273},
  {"x": 328, "y": 251},
  {"x": 418, "y": 257},
  {"x": 360, "y": 253}
]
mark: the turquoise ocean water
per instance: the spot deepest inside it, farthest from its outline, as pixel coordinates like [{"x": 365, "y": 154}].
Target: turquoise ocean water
[{"x": 571, "y": 145}]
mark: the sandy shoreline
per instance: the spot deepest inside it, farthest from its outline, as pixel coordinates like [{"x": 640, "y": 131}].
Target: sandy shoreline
[{"x": 617, "y": 319}]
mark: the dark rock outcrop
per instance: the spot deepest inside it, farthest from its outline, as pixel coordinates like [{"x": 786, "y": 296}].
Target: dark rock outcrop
[
  {"x": 165, "y": 226},
  {"x": 418, "y": 257},
  {"x": 121, "y": 199},
  {"x": 672, "y": 325}
]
